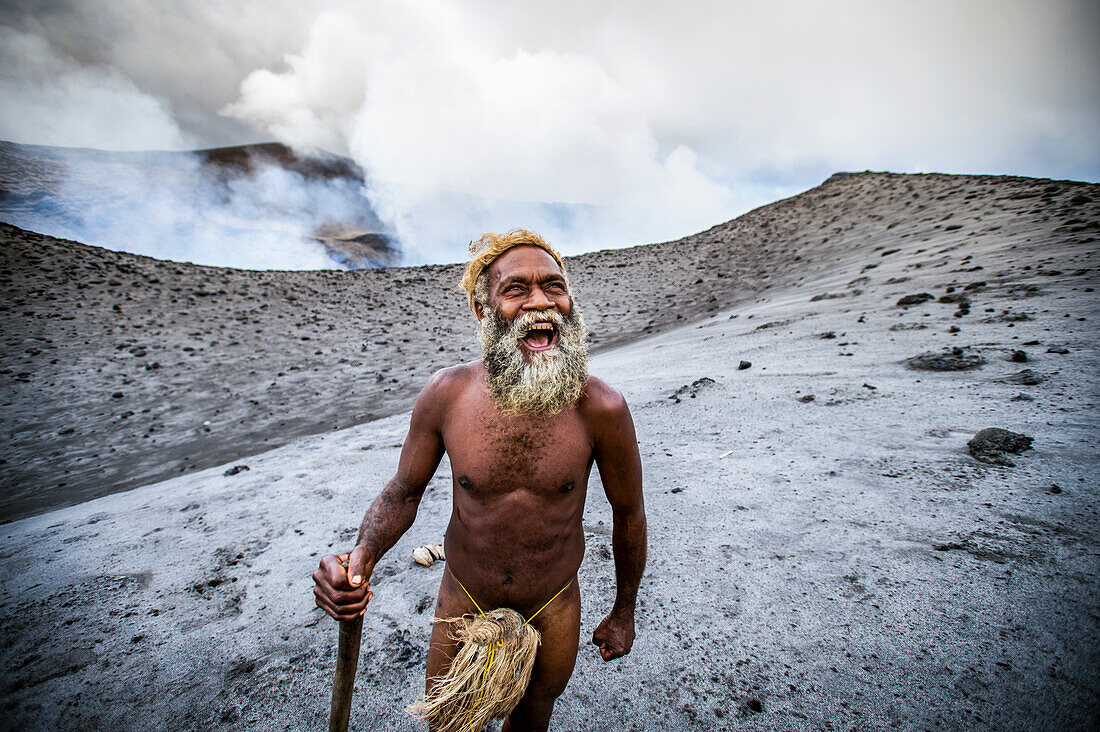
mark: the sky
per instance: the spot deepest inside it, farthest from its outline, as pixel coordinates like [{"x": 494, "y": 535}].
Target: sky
[{"x": 597, "y": 124}]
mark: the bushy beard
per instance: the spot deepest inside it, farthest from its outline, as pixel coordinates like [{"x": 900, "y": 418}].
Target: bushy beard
[{"x": 547, "y": 383}]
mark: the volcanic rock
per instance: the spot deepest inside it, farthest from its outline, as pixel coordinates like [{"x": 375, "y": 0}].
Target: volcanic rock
[
  {"x": 914, "y": 299},
  {"x": 690, "y": 390},
  {"x": 952, "y": 359},
  {"x": 991, "y": 444},
  {"x": 1025, "y": 377}
]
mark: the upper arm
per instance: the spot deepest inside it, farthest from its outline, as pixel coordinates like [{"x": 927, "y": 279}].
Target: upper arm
[
  {"x": 423, "y": 448},
  {"x": 616, "y": 448}
]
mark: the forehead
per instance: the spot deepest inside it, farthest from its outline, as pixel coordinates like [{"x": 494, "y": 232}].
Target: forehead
[{"x": 524, "y": 262}]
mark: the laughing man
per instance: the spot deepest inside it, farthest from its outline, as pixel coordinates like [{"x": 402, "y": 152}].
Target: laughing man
[{"x": 522, "y": 428}]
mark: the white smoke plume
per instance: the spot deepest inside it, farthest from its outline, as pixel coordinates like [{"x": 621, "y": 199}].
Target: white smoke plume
[
  {"x": 598, "y": 124},
  {"x": 460, "y": 140},
  {"x": 170, "y": 205},
  {"x": 50, "y": 99}
]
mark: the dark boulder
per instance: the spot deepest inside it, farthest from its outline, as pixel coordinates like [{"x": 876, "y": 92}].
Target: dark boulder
[
  {"x": 1025, "y": 377},
  {"x": 951, "y": 359},
  {"x": 992, "y": 444},
  {"x": 915, "y": 299}
]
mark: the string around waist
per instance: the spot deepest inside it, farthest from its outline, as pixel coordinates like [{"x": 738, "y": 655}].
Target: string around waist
[{"x": 533, "y": 616}]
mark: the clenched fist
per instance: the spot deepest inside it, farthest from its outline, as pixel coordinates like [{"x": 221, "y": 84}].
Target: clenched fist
[{"x": 615, "y": 635}]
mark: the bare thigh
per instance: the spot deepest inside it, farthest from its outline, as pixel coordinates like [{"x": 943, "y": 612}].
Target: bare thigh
[
  {"x": 560, "y": 625},
  {"x": 450, "y": 603}
]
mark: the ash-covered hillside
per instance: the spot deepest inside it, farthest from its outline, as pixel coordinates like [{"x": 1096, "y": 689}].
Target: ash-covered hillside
[{"x": 118, "y": 370}]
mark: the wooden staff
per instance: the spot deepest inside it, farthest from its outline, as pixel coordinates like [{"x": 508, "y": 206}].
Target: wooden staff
[{"x": 347, "y": 659}]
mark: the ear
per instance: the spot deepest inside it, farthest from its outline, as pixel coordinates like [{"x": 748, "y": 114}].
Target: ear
[{"x": 479, "y": 310}]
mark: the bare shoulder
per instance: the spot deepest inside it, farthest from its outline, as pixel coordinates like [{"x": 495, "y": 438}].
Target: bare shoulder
[
  {"x": 610, "y": 425},
  {"x": 450, "y": 378},
  {"x": 603, "y": 403},
  {"x": 444, "y": 386}
]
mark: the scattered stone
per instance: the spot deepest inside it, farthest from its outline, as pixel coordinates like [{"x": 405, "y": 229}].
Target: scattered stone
[
  {"x": 1055, "y": 488},
  {"x": 974, "y": 286},
  {"x": 755, "y": 705},
  {"x": 806, "y": 398},
  {"x": 1023, "y": 398},
  {"x": 908, "y": 326},
  {"x": 773, "y": 324},
  {"x": 1058, "y": 349},
  {"x": 1007, "y": 316},
  {"x": 676, "y": 490},
  {"x": 955, "y": 297},
  {"x": 915, "y": 299},
  {"x": 744, "y": 365},
  {"x": 690, "y": 390},
  {"x": 868, "y": 386},
  {"x": 991, "y": 444},
  {"x": 117, "y": 395},
  {"x": 827, "y": 296},
  {"x": 236, "y": 469},
  {"x": 954, "y": 329},
  {"x": 951, "y": 359},
  {"x": 1018, "y": 356},
  {"x": 1025, "y": 377},
  {"x": 827, "y": 335}
]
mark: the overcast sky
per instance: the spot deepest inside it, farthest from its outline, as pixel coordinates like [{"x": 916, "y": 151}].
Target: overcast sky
[{"x": 663, "y": 118}]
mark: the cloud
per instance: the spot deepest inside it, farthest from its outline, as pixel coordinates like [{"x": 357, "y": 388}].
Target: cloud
[
  {"x": 50, "y": 99},
  {"x": 458, "y": 140},
  {"x": 174, "y": 206},
  {"x": 604, "y": 124}
]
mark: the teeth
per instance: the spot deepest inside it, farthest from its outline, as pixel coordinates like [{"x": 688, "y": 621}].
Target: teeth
[{"x": 541, "y": 326}]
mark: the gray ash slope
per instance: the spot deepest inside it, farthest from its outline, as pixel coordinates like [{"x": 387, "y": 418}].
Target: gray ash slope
[{"x": 119, "y": 370}]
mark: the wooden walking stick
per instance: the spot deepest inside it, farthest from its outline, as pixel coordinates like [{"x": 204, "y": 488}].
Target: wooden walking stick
[{"x": 347, "y": 658}]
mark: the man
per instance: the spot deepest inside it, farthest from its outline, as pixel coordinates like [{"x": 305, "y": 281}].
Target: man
[{"x": 522, "y": 428}]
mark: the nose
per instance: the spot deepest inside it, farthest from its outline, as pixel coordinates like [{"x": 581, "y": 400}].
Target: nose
[{"x": 537, "y": 300}]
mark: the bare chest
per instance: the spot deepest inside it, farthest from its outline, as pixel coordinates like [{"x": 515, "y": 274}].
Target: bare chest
[{"x": 492, "y": 454}]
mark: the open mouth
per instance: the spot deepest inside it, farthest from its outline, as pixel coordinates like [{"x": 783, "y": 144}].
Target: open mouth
[{"x": 541, "y": 336}]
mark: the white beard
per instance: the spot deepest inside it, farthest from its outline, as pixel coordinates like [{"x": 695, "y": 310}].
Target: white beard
[{"x": 552, "y": 380}]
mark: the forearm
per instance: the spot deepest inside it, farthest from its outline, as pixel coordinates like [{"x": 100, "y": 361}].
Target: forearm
[
  {"x": 388, "y": 518},
  {"x": 628, "y": 540}
]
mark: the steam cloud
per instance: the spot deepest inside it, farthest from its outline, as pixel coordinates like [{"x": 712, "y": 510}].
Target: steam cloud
[
  {"x": 597, "y": 124},
  {"x": 171, "y": 206},
  {"x": 50, "y": 99},
  {"x": 459, "y": 140}
]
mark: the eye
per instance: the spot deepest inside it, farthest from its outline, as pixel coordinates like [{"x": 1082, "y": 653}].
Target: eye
[
  {"x": 513, "y": 288},
  {"x": 556, "y": 287}
]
